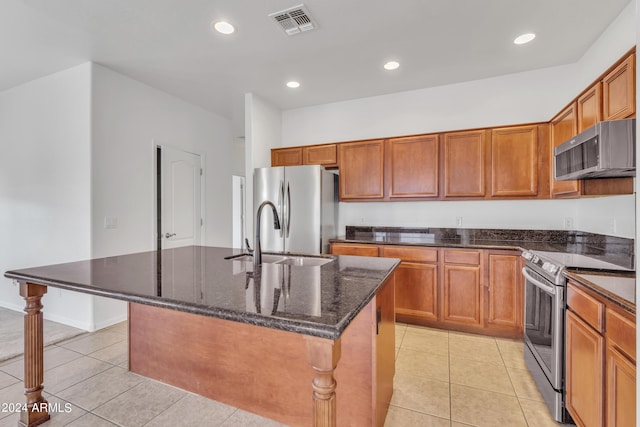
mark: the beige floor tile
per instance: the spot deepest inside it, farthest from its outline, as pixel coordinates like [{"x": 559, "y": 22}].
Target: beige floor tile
[
  {"x": 512, "y": 352},
  {"x": 114, "y": 354},
  {"x": 90, "y": 420},
  {"x": 537, "y": 414},
  {"x": 64, "y": 376},
  {"x": 122, "y": 328},
  {"x": 62, "y": 412},
  {"x": 417, "y": 329},
  {"x": 242, "y": 418},
  {"x": 485, "y": 408},
  {"x": 457, "y": 424},
  {"x": 191, "y": 410},
  {"x": 141, "y": 404},
  {"x": 12, "y": 394},
  {"x": 54, "y": 356},
  {"x": 421, "y": 394},
  {"x": 400, "y": 417},
  {"x": 6, "y": 380},
  {"x": 427, "y": 365},
  {"x": 524, "y": 384},
  {"x": 400, "y": 331},
  {"x": 475, "y": 337},
  {"x": 93, "y": 342},
  {"x": 99, "y": 389},
  {"x": 485, "y": 376},
  {"x": 428, "y": 343},
  {"x": 481, "y": 349}
]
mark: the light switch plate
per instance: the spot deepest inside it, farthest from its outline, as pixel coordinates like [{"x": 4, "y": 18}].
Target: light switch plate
[{"x": 110, "y": 222}]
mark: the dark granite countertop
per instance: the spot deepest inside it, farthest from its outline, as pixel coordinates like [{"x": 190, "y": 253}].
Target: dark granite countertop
[
  {"x": 619, "y": 288},
  {"x": 311, "y": 300}
]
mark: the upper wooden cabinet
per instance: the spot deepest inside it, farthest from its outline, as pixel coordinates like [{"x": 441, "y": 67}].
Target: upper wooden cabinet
[
  {"x": 361, "y": 169},
  {"x": 564, "y": 126},
  {"x": 413, "y": 167},
  {"x": 325, "y": 154},
  {"x": 286, "y": 156},
  {"x": 464, "y": 162},
  {"x": 618, "y": 92},
  {"x": 514, "y": 161},
  {"x": 590, "y": 107}
]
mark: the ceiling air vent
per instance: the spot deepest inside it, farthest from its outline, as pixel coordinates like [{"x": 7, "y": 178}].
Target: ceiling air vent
[{"x": 294, "y": 20}]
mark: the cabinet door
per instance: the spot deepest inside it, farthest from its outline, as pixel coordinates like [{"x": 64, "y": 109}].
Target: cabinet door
[
  {"x": 352, "y": 249},
  {"x": 417, "y": 290},
  {"x": 413, "y": 166},
  {"x": 461, "y": 295},
  {"x": 621, "y": 390},
  {"x": 385, "y": 349},
  {"x": 514, "y": 161},
  {"x": 464, "y": 164},
  {"x": 564, "y": 126},
  {"x": 618, "y": 91},
  {"x": 286, "y": 156},
  {"x": 361, "y": 170},
  {"x": 505, "y": 291},
  {"x": 325, "y": 154},
  {"x": 590, "y": 107},
  {"x": 584, "y": 370}
]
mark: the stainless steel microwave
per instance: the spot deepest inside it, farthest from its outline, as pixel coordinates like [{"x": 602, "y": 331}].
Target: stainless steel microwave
[{"x": 607, "y": 149}]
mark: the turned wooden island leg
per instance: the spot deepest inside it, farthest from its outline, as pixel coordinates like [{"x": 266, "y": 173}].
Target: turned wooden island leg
[
  {"x": 323, "y": 355},
  {"x": 37, "y": 411}
]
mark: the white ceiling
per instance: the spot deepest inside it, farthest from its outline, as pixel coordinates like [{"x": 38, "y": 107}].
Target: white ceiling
[{"x": 168, "y": 44}]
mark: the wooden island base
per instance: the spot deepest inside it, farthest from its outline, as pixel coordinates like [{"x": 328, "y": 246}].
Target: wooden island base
[{"x": 281, "y": 375}]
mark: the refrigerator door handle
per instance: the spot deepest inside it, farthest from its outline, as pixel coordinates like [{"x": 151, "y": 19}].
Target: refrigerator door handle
[
  {"x": 288, "y": 209},
  {"x": 281, "y": 206}
]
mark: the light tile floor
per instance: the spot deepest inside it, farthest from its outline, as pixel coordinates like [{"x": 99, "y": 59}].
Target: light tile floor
[{"x": 442, "y": 379}]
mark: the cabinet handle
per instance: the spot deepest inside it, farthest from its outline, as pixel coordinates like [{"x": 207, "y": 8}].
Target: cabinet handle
[{"x": 378, "y": 319}]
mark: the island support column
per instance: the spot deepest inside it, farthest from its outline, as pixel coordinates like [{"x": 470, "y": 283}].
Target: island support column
[
  {"x": 37, "y": 408},
  {"x": 323, "y": 355}
]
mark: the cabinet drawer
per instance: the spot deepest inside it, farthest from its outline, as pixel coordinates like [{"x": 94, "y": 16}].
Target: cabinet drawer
[
  {"x": 621, "y": 332},
  {"x": 587, "y": 307},
  {"x": 359, "y": 250},
  {"x": 410, "y": 253},
  {"x": 462, "y": 257}
]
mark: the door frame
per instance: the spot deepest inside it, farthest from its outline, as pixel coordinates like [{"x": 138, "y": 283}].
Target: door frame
[{"x": 156, "y": 234}]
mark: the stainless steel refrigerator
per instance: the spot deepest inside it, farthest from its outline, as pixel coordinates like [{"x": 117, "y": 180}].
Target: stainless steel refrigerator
[{"x": 306, "y": 201}]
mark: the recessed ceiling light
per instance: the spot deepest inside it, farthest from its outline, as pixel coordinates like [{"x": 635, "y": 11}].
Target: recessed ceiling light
[
  {"x": 293, "y": 84},
  {"x": 391, "y": 65},
  {"x": 524, "y": 38},
  {"x": 223, "y": 27}
]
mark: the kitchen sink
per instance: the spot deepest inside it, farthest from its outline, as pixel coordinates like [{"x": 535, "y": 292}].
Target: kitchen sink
[
  {"x": 304, "y": 261},
  {"x": 268, "y": 258}
]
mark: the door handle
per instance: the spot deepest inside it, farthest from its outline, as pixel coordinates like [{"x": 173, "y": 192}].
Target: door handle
[{"x": 168, "y": 235}]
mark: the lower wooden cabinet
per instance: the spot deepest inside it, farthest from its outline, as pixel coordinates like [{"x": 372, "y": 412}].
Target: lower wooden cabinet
[
  {"x": 600, "y": 360},
  {"x": 470, "y": 290},
  {"x": 584, "y": 372}
]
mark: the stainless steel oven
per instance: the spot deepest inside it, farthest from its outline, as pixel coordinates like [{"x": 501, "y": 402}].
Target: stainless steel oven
[{"x": 544, "y": 336}]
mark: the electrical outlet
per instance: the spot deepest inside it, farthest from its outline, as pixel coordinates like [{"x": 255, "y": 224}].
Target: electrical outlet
[
  {"x": 361, "y": 220},
  {"x": 458, "y": 221},
  {"x": 613, "y": 225},
  {"x": 568, "y": 223}
]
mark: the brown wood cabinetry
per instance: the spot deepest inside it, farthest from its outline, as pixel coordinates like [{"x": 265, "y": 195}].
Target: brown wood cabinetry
[
  {"x": 416, "y": 282},
  {"x": 286, "y": 156},
  {"x": 563, "y": 127},
  {"x": 464, "y": 164},
  {"x": 514, "y": 161},
  {"x": 505, "y": 291},
  {"x": 461, "y": 287},
  {"x": 325, "y": 154},
  {"x": 361, "y": 170},
  {"x": 600, "y": 360},
  {"x": 584, "y": 371},
  {"x": 589, "y": 107},
  {"x": 618, "y": 91},
  {"x": 413, "y": 167},
  {"x": 354, "y": 249}
]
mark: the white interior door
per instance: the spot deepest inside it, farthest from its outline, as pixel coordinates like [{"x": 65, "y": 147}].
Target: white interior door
[{"x": 181, "y": 198}]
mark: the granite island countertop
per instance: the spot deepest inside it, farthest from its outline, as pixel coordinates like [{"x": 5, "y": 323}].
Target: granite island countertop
[{"x": 311, "y": 300}]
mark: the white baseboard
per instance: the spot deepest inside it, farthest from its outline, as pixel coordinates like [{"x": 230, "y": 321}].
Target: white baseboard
[
  {"x": 111, "y": 321},
  {"x": 85, "y": 326}
]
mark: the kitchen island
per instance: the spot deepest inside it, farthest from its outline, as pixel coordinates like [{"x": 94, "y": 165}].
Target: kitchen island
[{"x": 302, "y": 343}]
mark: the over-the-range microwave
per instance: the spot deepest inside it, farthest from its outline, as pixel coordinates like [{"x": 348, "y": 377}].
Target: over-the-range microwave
[{"x": 607, "y": 149}]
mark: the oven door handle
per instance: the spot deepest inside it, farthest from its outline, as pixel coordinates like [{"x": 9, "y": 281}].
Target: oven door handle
[{"x": 548, "y": 289}]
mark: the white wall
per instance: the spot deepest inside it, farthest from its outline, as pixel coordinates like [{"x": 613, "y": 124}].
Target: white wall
[
  {"x": 45, "y": 185},
  {"x": 533, "y": 96},
  {"x": 262, "y": 132},
  {"x": 128, "y": 119}
]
